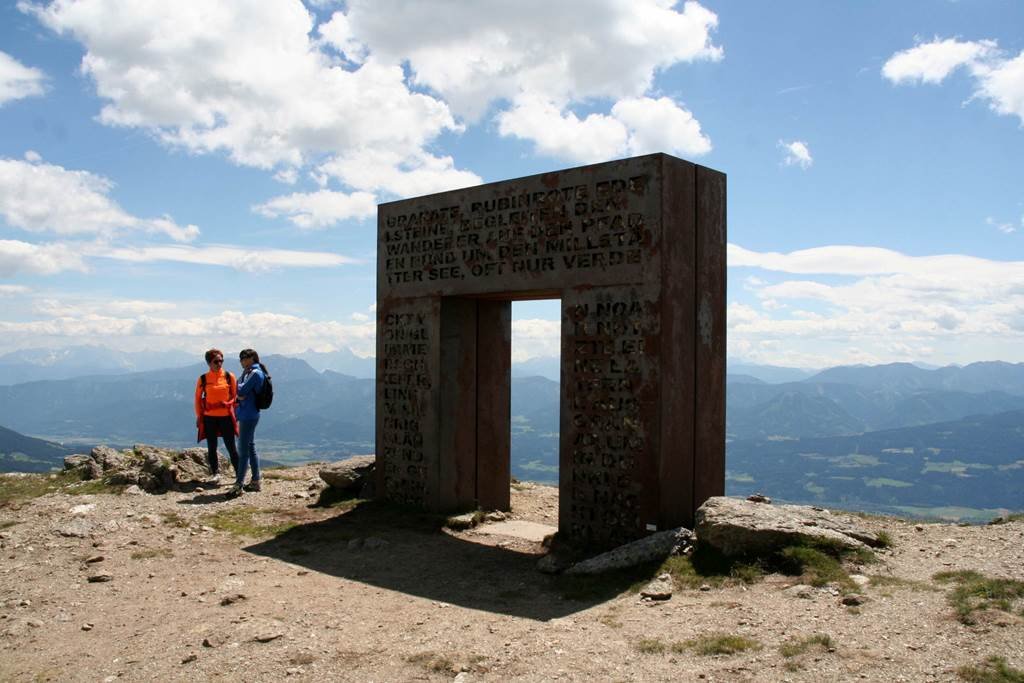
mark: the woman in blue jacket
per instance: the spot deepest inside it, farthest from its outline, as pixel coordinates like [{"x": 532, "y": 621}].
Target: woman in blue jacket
[{"x": 249, "y": 384}]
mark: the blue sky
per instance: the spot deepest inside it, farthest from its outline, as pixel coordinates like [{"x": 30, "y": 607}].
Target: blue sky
[{"x": 177, "y": 175}]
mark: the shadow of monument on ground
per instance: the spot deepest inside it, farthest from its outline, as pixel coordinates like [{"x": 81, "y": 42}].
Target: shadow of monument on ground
[{"x": 419, "y": 559}]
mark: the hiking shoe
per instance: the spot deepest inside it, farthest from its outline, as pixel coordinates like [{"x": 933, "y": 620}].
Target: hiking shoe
[
  {"x": 254, "y": 486},
  {"x": 235, "y": 491},
  {"x": 214, "y": 480}
]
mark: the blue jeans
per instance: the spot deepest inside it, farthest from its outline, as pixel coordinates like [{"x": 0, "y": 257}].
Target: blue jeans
[{"x": 247, "y": 451}]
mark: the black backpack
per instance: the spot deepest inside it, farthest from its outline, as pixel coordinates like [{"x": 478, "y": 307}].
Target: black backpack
[{"x": 265, "y": 396}]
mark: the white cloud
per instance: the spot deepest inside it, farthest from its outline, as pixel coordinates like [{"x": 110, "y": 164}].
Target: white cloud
[
  {"x": 932, "y": 62},
  {"x": 360, "y": 317},
  {"x": 247, "y": 78},
  {"x": 267, "y": 331},
  {"x": 797, "y": 154},
  {"x": 38, "y": 259},
  {"x": 252, "y": 260},
  {"x": 40, "y": 197},
  {"x": 634, "y": 126},
  {"x": 403, "y": 176},
  {"x": 1005, "y": 228},
  {"x": 319, "y": 209},
  {"x": 596, "y": 138},
  {"x": 535, "y": 338},
  {"x": 660, "y": 125},
  {"x": 18, "y": 81},
  {"x": 866, "y": 304},
  {"x": 476, "y": 53},
  {"x": 13, "y": 290},
  {"x": 999, "y": 79},
  {"x": 1002, "y": 83}
]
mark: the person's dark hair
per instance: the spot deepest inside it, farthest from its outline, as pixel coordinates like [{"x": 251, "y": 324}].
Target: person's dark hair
[
  {"x": 215, "y": 352},
  {"x": 251, "y": 353}
]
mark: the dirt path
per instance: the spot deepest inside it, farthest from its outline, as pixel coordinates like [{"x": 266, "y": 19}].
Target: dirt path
[{"x": 266, "y": 587}]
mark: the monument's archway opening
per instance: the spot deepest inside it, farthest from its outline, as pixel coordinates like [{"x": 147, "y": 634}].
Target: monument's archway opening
[
  {"x": 635, "y": 251},
  {"x": 536, "y": 381}
]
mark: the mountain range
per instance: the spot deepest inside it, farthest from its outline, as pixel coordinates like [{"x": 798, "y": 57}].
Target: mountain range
[{"x": 838, "y": 436}]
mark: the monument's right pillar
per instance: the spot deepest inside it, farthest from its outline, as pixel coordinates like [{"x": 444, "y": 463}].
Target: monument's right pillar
[{"x": 643, "y": 370}]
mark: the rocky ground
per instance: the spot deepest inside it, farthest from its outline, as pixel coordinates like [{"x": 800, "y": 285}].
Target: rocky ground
[{"x": 272, "y": 586}]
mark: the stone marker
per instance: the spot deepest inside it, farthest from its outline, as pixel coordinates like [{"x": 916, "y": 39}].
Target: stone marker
[{"x": 635, "y": 251}]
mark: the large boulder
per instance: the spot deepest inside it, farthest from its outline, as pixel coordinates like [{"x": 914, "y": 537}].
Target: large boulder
[
  {"x": 150, "y": 468},
  {"x": 657, "y": 546},
  {"x": 741, "y": 527},
  {"x": 84, "y": 466},
  {"x": 349, "y": 474}
]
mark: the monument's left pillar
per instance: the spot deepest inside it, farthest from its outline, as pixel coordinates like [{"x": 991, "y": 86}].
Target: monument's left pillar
[
  {"x": 443, "y": 382},
  {"x": 408, "y": 400}
]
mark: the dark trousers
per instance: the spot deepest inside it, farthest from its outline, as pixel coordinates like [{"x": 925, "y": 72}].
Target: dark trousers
[{"x": 224, "y": 428}]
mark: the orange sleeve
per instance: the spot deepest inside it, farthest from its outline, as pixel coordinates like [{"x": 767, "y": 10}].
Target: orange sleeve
[{"x": 199, "y": 397}]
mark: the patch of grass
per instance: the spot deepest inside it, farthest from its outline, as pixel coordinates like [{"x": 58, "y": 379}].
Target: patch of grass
[
  {"x": 795, "y": 648},
  {"x": 814, "y": 567},
  {"x": 302, "y": 659},
  {"x": 651, "y": 646},
  {"x": 610, "y": 619},
  {"x": 246, "y": 521},
  {"x": 431, "y": 661},
  {"x": 717, "y": 644},
  {"x": 883, "y": 539},
  {"x": 992, "y": 670},
  {"x": 151, "y": 553},
  {"x": 17, "y": 489},
  {"x": 707, "y": 566},
  {"x": 975, "y": 591}
]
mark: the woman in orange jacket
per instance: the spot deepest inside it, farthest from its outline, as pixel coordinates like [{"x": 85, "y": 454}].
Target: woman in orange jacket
[{"x": 216, "y": 392}]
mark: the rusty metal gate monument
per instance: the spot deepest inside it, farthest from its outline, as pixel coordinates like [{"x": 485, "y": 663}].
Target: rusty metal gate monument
[{"x": 635, "y": 250}]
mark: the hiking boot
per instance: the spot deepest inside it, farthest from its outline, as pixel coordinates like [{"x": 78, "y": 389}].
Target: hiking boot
[
  {"x": 214, "y": 480},
  {"x": 254, "y": 486},
  {"x": 235, "y": 491}
]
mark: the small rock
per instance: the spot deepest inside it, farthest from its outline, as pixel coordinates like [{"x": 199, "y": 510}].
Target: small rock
[
  {"x": 860, "y": 580},
  {"x": 300, "y": 494},
  {"x": 853, "y": 599},
  {"x": 919, "y": 527},
  {"x": 87, "y": 626},
  {"x": 24, "y": 603},
  {"x": 462, "y": 677},
  {"x": 35, "y": 623},
  {"x": 759, "y": 498},
  {"x": 268, "y": 636},
  {"x": 496, "y": 516},
  {"x": 102, "y": 577},
  {"x": 94, "y": 559},
  {"x": 705, "y": 587},
  {"x": 76, "y": 528},
  {"x": 467, "y": 520},
  {"x": 660, "y": 588},
  {"x": 214, "y": 640},
  {"x": 82, "y": 509},
  {"x": 134, "y": 490},
  {"x": 800, "y": 590},
  {"x": 231, "y": 599},
  {"x": 373, "y": 543},
  {"x": 355, "y": 544},
  {"x": 190, "y": 658}
]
